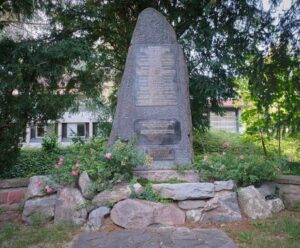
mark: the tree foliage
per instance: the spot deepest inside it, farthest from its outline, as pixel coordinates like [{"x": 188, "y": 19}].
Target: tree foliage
[{"x": 88, "y": 41}]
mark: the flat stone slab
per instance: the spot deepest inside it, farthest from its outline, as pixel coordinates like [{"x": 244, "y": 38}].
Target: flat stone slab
[
  {"x": 185, "y": 191},
  {"x": 156, "y": 238},
  {"x": 288, "y": 179},
  {"x": 188, "y": 176},
  {"x": 14, "y": 183}
]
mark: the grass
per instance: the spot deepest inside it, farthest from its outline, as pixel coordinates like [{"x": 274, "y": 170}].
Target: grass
[
  {"x": 282, "y": 231},
  {"x": 52, "y": 235}
]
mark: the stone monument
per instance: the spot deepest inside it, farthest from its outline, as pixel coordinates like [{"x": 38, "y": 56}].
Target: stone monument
[{"x": 153, "y": 101}]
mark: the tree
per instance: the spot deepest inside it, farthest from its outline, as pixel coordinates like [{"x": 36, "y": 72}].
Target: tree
[{"x": 218, "y": 37}]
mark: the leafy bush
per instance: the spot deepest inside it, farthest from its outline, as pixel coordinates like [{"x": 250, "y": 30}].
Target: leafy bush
[
  {"x": 105, "y": 165},
  {"x": 49, "y": 142},
  {"x": 33, "y": 162},
  {"x": 244, "y": 169}
]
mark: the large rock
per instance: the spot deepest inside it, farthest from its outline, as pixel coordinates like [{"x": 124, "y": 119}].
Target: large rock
[
  {"x": 191, "y": 204},
  {"x": 154, "y": 100},
  {"x": 133, "y": 214},
  {"x": 253, "y": 203},
  {"x": 276, "y": 205},
  {"x": 168, "y": 215},
  {"x": 118, "y": 193},
  {"x": 183, "y": 191},
  {"x": 290, "y": 194},
  {"x": 267, "y": 189},
  {"x": 70, "y": 207},
  {"x": 223, "y": 207},
  {"x": 85, "y": 185},
  {"x": 158, "y": 237},
  {"x": 96, "y": 218},
  {"x": 39, "y": 207},
  {"x": 224, "y": 185},
  {"x": 34, "y": 189}
]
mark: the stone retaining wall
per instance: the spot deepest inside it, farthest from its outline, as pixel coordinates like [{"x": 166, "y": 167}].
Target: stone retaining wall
[{"x": 12, "y": 192}]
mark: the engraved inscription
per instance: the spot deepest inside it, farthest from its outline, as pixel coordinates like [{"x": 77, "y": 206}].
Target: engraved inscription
[
  {"x": 157, "y": 132},
  {"x": 155, "y": 77},
  {"x": 162, "y": 153}
]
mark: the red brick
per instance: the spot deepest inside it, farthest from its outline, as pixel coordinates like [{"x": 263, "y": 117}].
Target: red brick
[
  {"x": 3, "y": 197},
  {"x": 15, "y": 196}
]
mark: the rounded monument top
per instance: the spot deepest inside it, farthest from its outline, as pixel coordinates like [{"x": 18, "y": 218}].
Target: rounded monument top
[{"x": 153, "y": 28}]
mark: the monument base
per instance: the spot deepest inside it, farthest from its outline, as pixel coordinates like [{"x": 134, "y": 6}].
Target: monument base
[{"x": 188, "y": 176}]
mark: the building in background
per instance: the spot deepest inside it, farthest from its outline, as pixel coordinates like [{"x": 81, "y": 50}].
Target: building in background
[{"x": 230, "y": 121}]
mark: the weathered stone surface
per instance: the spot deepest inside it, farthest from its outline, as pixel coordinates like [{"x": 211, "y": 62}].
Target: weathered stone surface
[
  {"x": 42, "y": 206},
  {"x": 14, "y": 183},
  {"x": 70, "y": 207},
  {"x": 276, "y": 205},
  {"x": 267, "y": 189},
  {"x": 153, "y": 101},
  {"x": 133, "y": 213},
  {"x": 191, "y": 204},
  {"x": 11, "y": 196},
  {"x": 222, "y": 208},
  {"x": 188, "y": 176},
  {"x": 34, "y": 190},
  {"x": 96, "y": 218},
  {"x": 156, "y": 238},
  {"x": 85, "y": 185},
  {"x": 169, "y": 215},
  {"x": 288, "y": 179},
  {"x": 224, "y": 185},
  {"x": 290, "y": 194},
  {"x": 253, "y": 204},
  {"x": 118, "y": 193},
  {"x": 183, "y": 191}
]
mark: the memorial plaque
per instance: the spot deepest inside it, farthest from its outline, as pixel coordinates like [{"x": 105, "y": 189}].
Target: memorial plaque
[
  {"x": 155, "y": 77},
  {"x": 157, "y": 132},
  {"x": 153, "y": 101},
  {"x": 161, "y": 153}
]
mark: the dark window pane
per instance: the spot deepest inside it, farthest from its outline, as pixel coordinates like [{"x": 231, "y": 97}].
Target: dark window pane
[
  {"x": 64, "y": 130},
  {"x": 80, "y": 129},
  {"x": 32, "y": 133},
  {"x": 40, "y": 131},
  {"x": 87, "y": 128}
]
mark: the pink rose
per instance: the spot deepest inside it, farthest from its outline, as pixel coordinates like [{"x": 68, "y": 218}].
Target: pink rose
[
  {"x": 39, "y": 184},
  {"x": 242, "y": 157},
  {"x": 48, "y": 189},
  {"x": 108, "y": 155},
  {"x": 77, "y": 165},
  {"x": 226, "y": 144},
  {"x": 60, "y": 161},
  {"x": 75, "y": 173},
  {"x": 57, "y": 166}
]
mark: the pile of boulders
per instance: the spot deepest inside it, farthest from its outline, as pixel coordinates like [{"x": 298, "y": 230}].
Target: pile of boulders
[{"x": 200, "y": 202}]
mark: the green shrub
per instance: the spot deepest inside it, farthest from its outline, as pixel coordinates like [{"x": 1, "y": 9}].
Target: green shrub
[
  {"x": 244, "y": 169},
  {"x": 105, "y": 165},
  {"x": 49, "y": 142},
  {"x": 31, "y": 162}
]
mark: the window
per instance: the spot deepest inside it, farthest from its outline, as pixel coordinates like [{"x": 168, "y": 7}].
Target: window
[
  {"x": 227, "y": 122},
  {"x": 80, "y": 130}
]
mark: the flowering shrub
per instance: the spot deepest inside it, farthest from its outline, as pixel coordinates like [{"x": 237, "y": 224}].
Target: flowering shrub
[
  {"x": 46, "y": 186},
  {"x": 244, "y": 169},
  {"x": 105, "y": 165},
  {"x": 65, "y": 172}
]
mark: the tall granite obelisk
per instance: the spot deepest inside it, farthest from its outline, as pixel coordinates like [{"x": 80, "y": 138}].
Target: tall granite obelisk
[{"x": 153, "y": 100}]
